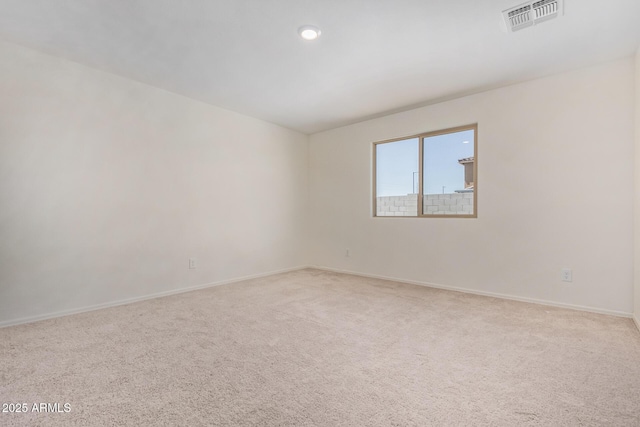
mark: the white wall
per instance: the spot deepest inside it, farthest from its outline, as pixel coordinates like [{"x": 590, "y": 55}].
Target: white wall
[
  {"x": 108, "y": 186},
  {"x": 555, "y": 165},
  {"x": 636, "y": 193}
]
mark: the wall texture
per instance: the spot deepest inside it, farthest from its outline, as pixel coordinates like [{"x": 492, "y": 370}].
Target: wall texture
[
  {"x": 555, "y": 185},
  {"x": 434, "y": 204},
  {"x": 107, "y": 187}
]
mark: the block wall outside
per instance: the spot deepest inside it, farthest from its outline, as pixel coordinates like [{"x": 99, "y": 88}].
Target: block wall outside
[{"x": 434, "y": 204}]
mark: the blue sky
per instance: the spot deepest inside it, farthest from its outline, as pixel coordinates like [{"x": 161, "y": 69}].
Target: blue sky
[{"x": 397, "y": 162}]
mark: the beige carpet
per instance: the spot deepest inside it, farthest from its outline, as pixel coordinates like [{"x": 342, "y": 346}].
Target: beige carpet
[{"x": 312, "y": 348}]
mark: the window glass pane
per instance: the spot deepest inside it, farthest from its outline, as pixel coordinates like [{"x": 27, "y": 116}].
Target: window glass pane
[
  {"x": 448, "y": 168},
  {"x": 397, "y": 178}
]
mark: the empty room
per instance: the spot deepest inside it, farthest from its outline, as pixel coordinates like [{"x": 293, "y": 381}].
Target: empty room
[{"x": 329, "y": 213}]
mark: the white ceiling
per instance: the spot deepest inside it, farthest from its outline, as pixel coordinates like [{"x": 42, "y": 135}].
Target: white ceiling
[{"x": 374, "y": 56}]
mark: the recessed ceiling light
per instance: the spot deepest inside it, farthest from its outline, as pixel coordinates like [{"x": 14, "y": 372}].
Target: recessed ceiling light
[
  {"x": 309, "y": 32},
  {"x": 465, "y": 142}
]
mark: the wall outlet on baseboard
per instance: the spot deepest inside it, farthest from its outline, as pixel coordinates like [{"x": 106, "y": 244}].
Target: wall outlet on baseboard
[
  {"x": 192, "y": 263},
  {"x": 566, "y": 275}
]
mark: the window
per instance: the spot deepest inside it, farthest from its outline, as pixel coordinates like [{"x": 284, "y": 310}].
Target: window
[{"x": 429, "y": 175}]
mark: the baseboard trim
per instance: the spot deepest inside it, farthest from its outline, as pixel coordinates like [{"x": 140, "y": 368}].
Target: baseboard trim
[
  {"x": 486, "y": 294},
  {"x": 31, "y": 319}
]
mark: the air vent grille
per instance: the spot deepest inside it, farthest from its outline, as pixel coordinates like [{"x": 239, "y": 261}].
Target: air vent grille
[
  {"x": 520, "y": 17},
  {"x": 532, "y": 13},
  {"x": 545, "y": 9}
]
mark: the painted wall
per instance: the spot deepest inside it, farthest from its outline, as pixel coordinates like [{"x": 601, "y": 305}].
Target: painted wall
[
  {"x": 636, "y": 193},
  {"x": 565, "y": 143},
  {"x": 108, "y": 186}
]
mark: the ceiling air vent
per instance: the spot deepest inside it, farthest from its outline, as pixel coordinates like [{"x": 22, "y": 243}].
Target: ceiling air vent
[{"x": 532, "y": 13}]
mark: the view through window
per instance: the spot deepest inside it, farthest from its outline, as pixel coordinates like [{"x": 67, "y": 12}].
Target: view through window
[{"x": 428, "y": 175}]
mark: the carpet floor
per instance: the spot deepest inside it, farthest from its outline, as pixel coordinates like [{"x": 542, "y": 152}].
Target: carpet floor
[{"x": 314, "y": 348}]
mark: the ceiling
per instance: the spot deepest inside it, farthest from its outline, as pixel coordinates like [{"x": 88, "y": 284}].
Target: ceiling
[{"x": 374, "y": 56}]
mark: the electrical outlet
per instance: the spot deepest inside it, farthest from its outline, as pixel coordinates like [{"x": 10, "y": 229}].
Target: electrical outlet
[
  {"x": 192, "y": 263},
  {"x": 566, "y": 275},
  {"x": 347, "y": 252}
]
